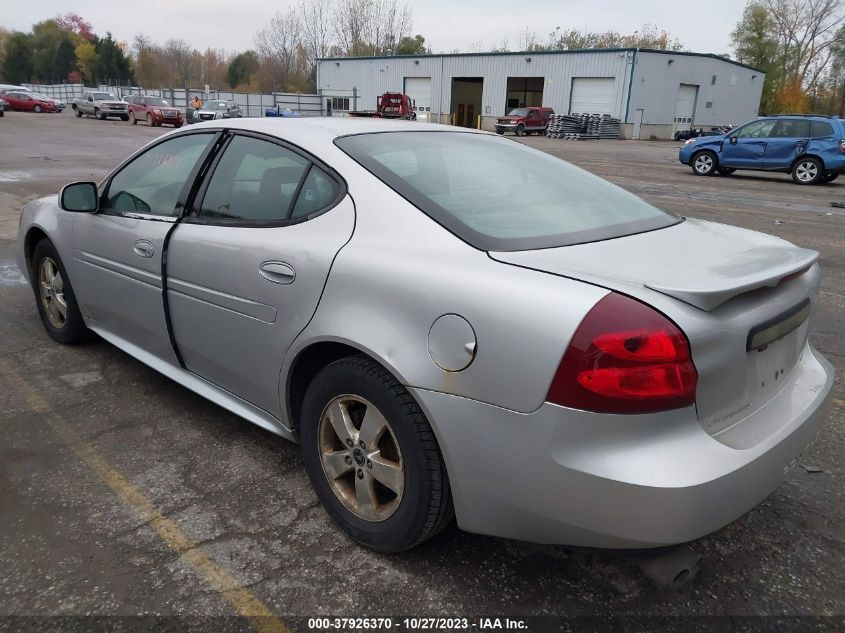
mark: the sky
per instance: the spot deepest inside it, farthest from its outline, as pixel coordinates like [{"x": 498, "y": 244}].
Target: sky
[{"x": 446, "y": 24}]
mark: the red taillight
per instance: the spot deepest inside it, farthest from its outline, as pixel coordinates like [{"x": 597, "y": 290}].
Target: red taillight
[
  {"x": 625, "y": 357},
  {"x": 794, "y": 275},
  {"x": 842, "y": 145}
]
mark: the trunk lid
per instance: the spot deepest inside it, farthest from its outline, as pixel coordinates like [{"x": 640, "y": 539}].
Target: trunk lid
[{"x": 739, "y": 296}]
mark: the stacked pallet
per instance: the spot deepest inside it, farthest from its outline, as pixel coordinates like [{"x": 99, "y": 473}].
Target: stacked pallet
[{"x": 583, "y": 126}]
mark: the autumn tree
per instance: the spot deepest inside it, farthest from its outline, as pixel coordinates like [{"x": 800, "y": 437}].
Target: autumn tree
[
  {"x": 73, "y": 23},
  {"x": 412, "y": 46},
  {"x": 87, "y": 60},
  {"x": 755, "y": 42}
]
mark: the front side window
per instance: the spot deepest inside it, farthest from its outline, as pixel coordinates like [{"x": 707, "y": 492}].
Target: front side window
[
  {"x": 497, "y": 194},
  {"x": 151, "y": 183},
  {"x": 255, "y": 180},
  {"x": 757, "y": 129}
]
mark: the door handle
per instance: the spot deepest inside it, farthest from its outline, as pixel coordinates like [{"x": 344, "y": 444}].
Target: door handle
[
  {"x": 277, "y": 272},
  {"x": 143, "y": 248}
]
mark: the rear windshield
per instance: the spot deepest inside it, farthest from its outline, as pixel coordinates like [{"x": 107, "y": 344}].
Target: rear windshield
[{"x": 497, "y": 194}]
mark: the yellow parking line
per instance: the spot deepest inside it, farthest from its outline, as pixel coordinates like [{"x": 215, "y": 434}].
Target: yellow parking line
[{"x": 245, "y": 603}]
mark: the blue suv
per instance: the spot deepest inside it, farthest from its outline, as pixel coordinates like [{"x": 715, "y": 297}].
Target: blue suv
[{"x": 810, "y": 147}]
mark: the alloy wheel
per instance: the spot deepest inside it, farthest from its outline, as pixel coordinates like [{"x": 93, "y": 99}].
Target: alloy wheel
[
  {"x": 360, "y": 457},
  {"x": 806, "y": 171},
  {"x": 52, "y": 290},
  {"x": 704, "y": 164}
]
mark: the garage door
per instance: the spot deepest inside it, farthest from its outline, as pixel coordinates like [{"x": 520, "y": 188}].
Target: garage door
[
  {"x": 685, "y": 106},
  {"x": 419, "y": 90},
  {"x": 592, "y": 95}
]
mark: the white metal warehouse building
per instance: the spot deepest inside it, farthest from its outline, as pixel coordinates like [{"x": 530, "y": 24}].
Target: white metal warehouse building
[{"x": 653, "y": 93}]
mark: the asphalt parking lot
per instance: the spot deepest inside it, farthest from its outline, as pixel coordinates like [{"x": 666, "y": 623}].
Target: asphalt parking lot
[{"x": 122, "y": 493}]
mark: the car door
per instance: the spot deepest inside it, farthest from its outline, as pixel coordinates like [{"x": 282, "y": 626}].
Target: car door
[
  {"x": 117, "y": 252},
  {"x": 746, "y": 147},
  {"x": 246, "y": 269},
  {"x": 787, "y": 142}
]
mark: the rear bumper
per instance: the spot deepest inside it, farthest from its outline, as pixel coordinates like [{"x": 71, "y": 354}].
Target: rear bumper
[{"x": 563, "y": 476}]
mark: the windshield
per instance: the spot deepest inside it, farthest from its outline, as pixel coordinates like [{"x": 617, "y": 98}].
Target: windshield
[
  {"x": 518, "y": 112},
  {"x": 497, "y": 194},
  {"x": 156, "y": 101},
  {"x": 104, "y": 96},
  {"x": 214, "y": 105}
]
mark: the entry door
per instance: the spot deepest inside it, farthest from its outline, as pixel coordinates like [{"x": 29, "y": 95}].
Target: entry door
[
  {"x": 747, "y": 146},
  {"x": 786, "y": 143},
  {"x": 245, "y": 272},
  {"x": 117, "y": 252}
]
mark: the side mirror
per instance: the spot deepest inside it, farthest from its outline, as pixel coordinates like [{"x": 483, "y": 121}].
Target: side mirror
[
  {"x": 80, "y": 197},
  {"x": 733, "y": 140}
]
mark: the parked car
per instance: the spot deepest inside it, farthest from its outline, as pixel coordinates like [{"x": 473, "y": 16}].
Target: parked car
[
  {"x": 101, "y": 105},
  {"x": 524, "y": 121},
  {"x": 286, "y": 113},
  {"x": 216, "y": 109},
  {"x": 683, "y": 135},
  {"x": 154, "y": 110},
  {"x": 60, "y": 105},
  {"x": 28, "y": 102},
  {"x": 448, "y": 321},
  {"x": 810, "y": 147}
]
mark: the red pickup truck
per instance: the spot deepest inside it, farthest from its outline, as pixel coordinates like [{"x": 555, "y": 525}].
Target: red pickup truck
[
  {"x": 524, "y": 121},
  {"x": 390, "y": 105}
]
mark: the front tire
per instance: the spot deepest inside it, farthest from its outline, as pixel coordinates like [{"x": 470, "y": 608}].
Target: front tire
[
  {"x": 54, "y": 296},
  {"x": 150, "y": 120},
  {"x": 124, "y": 117},
  {"x": 37, "y": 109},
  {"x": 704, "y": 163},
  {"x": 132, "y": 118},
  {"x": 97, "y": 114},
  {"x": 372, "y": 457},
  {"x": 807, "y": 171},
  {"x": 520, "y": 130}
]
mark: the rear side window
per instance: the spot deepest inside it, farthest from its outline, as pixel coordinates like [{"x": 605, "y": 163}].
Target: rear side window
[
  {"x": 317, "y": 192},
  {"x": 820, "y": 129},
  {"x": 792, "y": 128},
  {"x": 255, "y": 180},
  {"x": 497, "y": 194}
]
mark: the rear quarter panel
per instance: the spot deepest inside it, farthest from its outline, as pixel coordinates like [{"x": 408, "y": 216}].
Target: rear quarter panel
[{"x": 401, "y": 271}]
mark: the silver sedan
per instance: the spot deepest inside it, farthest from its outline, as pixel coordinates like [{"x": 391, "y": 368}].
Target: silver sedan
[{"x": 450, "y": 324}]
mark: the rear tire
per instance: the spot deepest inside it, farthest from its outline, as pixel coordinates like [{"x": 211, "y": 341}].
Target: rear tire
[
  {"x": 77, "y": 112},
  {"x": 54, "y": 296},
  {"x": 704, "y": 163},
  {"x": 808, "y": 171},
  {"x": 386, "y": 439}
]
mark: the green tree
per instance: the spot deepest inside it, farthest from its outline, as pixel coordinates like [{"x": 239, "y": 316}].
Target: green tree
[
  {"x": 64, "y": 61},
  {"x": 18, "y": 65},
  {"x": 112, "y": 64},
  {"x": 46, "y": 38},
  {"x": 755, "y": 42},
  {"x": 412, "y": 46},
  {"x": 241, "y": 69}
]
